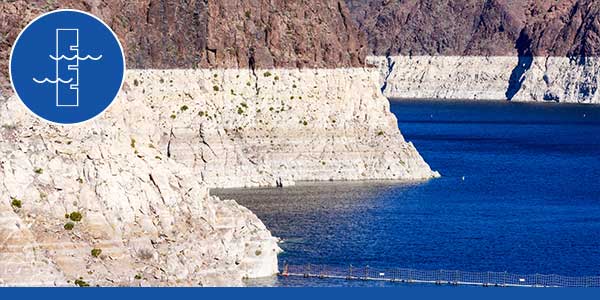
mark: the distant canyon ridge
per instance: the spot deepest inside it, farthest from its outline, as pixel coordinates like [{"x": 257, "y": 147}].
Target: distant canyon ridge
[{"x": 480, "y": 27}]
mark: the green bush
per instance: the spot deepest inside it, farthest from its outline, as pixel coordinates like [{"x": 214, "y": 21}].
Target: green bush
[
  {"x": 258, "y": 252},
  {"x": 173, "y": 116},
  {"x": 267, "y": 74},
  {"x": 69, "y": 226},
  {"x": 75, "y": 216},
  {"x": 216, "y": 88},
  {"x": 79, "y": 282},
  {"x": 38, "y": 170},
  {"x": 184, "y": 108},
  {"x": 380, "y": 133},
  {"x": 96, "y": 252},
  {"x": 16, "y": 203},
  {"x": 137, "y": 276}
]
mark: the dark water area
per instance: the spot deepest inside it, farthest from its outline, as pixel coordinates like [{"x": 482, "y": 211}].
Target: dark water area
[{"x": 520, "y": 192}]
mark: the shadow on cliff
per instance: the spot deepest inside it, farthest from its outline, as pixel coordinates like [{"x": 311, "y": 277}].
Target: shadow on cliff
[{"x": 515, "y": 82}]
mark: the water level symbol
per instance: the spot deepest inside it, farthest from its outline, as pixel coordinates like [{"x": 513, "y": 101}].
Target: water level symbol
[{"x": 67, "y": 67}]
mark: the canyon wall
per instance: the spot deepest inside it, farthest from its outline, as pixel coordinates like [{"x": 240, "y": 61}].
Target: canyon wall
[
  {"x": 150, "y": 216},
  {"x": 542, "y": 79},
  {"x": 218, "y": 94},
  {"x": 500, "y": 49}
]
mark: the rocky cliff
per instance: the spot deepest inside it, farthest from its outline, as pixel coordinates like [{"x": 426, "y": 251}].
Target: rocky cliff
[
  {"x": 162, "y": 34},
  {"x": 92, "y": 204},
  {"x": 526, "y": 79},
  {"x": 501, "y": 49},
  {"x": 479, "y": 27},
  {"x": 219, "y": 94}
]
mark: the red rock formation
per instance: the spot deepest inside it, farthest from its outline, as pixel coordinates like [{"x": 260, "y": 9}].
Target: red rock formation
[
  {"x": 212, "y": 33},
  {"x": 478, "y": 27}
]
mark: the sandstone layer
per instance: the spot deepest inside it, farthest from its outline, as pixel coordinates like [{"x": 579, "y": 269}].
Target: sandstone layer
[{"x": 542, "y": 79}]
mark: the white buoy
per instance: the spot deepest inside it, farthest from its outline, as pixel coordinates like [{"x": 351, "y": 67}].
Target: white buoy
[{"x": 463, "y": 178}]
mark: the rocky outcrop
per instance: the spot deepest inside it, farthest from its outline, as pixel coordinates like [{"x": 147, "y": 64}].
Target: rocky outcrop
[
  {"x": 139, "y": 174},
  {"x": 161, "y": 34},
  {"x": 502, "y": 50},
  {"x": 227, "y": 94},
  {"x": 542, "y": 79},
  {"x": 244, "y": 128},
  {"x": 151, "y": 216},
  {"x": 486, "y": 28}
]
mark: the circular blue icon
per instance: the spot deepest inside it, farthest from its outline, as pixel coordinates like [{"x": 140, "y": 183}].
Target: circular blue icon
[{"x": 67, "y": 66}]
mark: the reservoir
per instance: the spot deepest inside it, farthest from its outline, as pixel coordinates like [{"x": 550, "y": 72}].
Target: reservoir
[{"x": 519, "y": 192}]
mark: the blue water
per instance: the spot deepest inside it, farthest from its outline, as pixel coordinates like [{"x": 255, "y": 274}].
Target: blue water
[{"x": 520, "y": 193}]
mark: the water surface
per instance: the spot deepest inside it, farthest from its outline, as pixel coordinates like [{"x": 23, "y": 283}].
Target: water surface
[{"x": 519, "y": 193}]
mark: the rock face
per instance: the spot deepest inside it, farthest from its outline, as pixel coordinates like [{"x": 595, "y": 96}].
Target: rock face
[
  {"x": 161, "y": 34},
  {"x": 244, "y": 128},
  {"x": 486, "y": 28},
  {"x": 139, "y": 174},
  {"x": 503, "y": 50},
  {"x": 149, "y": 215},
  {"x": 550, "y": 79},
  {"x": 216, "y": 99}
]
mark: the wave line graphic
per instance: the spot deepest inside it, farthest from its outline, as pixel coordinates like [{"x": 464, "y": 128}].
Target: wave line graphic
[
  {"x": 63, "y": 57},
  {"x": 46, "y": 80}
]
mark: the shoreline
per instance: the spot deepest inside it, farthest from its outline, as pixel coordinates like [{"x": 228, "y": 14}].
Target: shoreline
[{"x": 513, "y": 78}]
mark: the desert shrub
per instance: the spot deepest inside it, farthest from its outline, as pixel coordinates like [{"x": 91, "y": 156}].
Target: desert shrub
[
  {"x": 69, "y": 226},
  {"x": 216, "y": 88},
  {"x": 38, "y": 170},
  {"x": 96, "y": 252},
  {"x": 16, "y": 203},
  {"x": 267, "y": 74},
  {"x": 80, "y": 283},
  {"x": 75, "y": 216}
]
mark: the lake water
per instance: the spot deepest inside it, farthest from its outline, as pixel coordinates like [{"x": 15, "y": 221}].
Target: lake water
[{"x": 520, "y": 193}]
